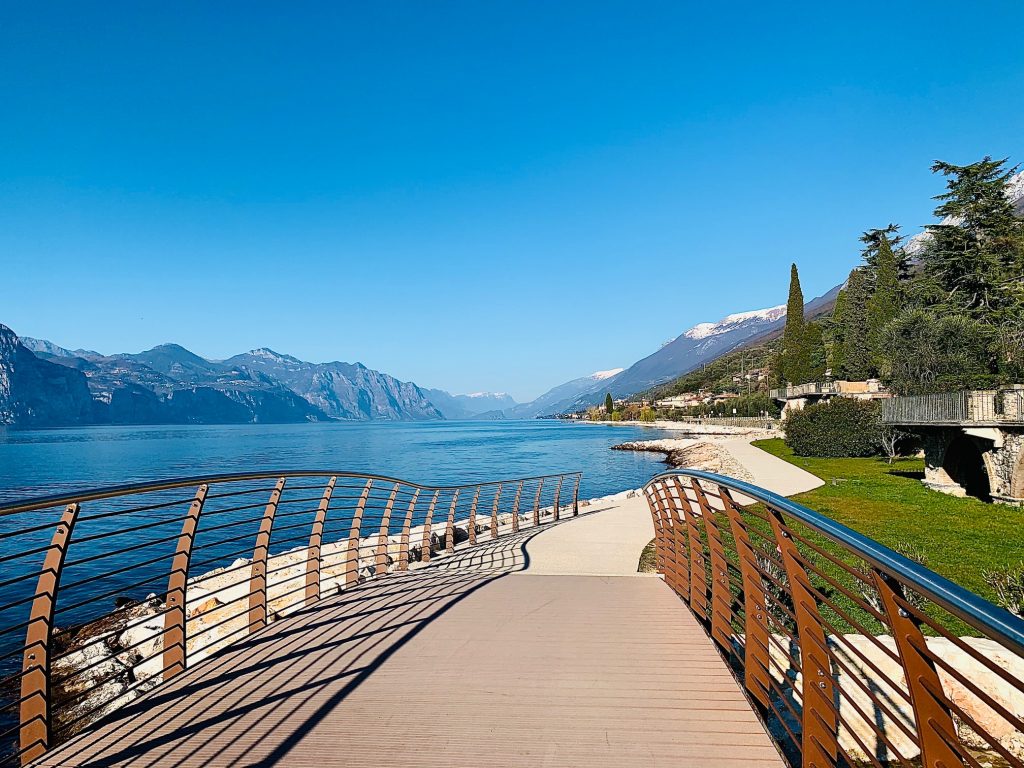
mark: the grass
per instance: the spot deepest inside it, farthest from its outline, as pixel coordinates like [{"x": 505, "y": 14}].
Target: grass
[
  {"x": 960, "y": 539},
  {"x": 648, "y": 563}
]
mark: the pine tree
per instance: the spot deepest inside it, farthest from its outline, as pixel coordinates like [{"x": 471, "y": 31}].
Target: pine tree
[
  {"x": 857, "y": 358},
  {"x": 875, "y": 239},
  {"x": 795, "y": 364},
  {"x": 609, "y": 404},
  {"x": 884, "y": 303},
  {"x": 976, "y": 258}
]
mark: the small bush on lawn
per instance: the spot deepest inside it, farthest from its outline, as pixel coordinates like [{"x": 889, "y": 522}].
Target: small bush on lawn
[{"x": 841, "y": 427}]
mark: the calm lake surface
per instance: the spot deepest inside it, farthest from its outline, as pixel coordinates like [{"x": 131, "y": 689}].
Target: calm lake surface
[
  {"x": 44, "y": 462},
  {"x": 108, "y": 563}
]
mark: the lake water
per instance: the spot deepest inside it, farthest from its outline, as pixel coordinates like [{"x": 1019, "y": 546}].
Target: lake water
[
  {"x": 438, "y": 452},
  {"x": 106, "y": 561}
]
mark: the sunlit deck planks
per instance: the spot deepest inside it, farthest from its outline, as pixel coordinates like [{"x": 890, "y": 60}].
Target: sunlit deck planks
[{"x": 446, "y": 666}]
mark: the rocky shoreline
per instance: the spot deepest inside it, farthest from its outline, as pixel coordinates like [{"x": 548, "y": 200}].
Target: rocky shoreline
[{"x": 705, "y": 455}]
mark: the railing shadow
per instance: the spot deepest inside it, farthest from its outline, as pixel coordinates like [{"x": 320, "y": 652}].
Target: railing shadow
[{"x": 254, "y": 701}]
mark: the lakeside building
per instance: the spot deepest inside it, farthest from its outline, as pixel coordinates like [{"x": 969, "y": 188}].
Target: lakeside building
[{"x": 796, "y": 397}]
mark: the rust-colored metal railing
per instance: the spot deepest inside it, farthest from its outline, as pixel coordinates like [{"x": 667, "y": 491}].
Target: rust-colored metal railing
[
  {"x": 107, "y": 593},
  {"x": 854, "y": 654}
]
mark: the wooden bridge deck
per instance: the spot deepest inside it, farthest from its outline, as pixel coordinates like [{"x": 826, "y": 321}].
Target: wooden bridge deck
[{"x": 470, "y": 662}]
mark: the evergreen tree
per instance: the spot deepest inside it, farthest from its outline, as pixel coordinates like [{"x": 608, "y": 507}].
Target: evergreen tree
[
  {"x": 814, "y": 344},
  {"x": 795, "y": 365},
  {"x": 884, "y": 303},
  {"x": 889, "y": 237},
  {"x": 976, "y": 256},
  {"x": 609, "y": 404},
  {"x": 857, "y": 358},
  {"x": 837, "y": 349}
]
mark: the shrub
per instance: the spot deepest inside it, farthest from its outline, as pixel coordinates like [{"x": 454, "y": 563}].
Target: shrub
[
  {"x": 1008, "y": 584},
  {"x": 840, "y": 427}
]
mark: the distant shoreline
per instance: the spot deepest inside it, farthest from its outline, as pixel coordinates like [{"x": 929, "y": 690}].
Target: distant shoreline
[{"x": 692, "y": 428}]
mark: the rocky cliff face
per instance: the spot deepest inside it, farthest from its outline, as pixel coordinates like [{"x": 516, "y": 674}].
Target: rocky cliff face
[
  {"x": 171, "y": 385},
  {"x": 38, "y": 393},
  {"x": 341, "y": 390}
]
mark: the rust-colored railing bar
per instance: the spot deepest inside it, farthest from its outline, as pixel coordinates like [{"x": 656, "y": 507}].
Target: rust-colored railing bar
[
  {"x": 576, "y": 497},
  {"x": 381, "y": 562},
  {"x": 756, "y": 653},
  {"x": 698, "y": 568},
  {"x": 351, "y": 561},
  {"x": 34, "y": 735},
  {"x": 675, "y": 568},
  {"x": 721, "y": 598},
  {"x": 820, "y": 727},
  {"x": 678, "y": 537},
  {"x": 660, "y": 547},
  {"x": 449, "y": 531},
  {"x": 316, "y": 538},
  {"x": 403, "y": 544},
  {"x": 472, "y": 516},
  {"x": 258, "y": 577},
  {"x": 515, "y": 507},
  {"x": 933, "y": 717},
  {"x": 556, "y": 507},
  {"x": 427, "y": 540},
  {"x": 494, "y": 512},
  {"x": 175, "y": 648},
  {"x": 536, "y": 502}
]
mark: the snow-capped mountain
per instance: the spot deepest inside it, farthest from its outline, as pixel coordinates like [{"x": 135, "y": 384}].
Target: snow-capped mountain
[
  {"x": 734, "y": 322},
  {"x": 470, "y": 406},
  {"x": 558, "y": 399}
]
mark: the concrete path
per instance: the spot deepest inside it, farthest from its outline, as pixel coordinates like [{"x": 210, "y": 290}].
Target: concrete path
[
  {"x": 606, "y": 541},
  {"x": 770, "y": 471}
]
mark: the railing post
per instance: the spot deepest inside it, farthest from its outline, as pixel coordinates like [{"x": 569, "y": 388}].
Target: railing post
[
  {"x": 494, "y": 512},
  {"x": 756, "y": 658},
  {"x": 536, "y": 502},
  {"x": 721, "y": 595},
  {"x": 352, "y": 550},
  {"x": 449, "y": 533},
  {"x": 698, "y": 568},
  {"x": 515, "y": 507},
  {"x": 472, "y": 517},
  {"x": 428, "y": 545},
  {"x": 934, "y": 721},
  {"x": 35, "y": 732},
  {"x": 403, "y": 547},
  {"x": 258, "y": 573},
  {"x": 678, "y": 539},
  {"x": 576, "y": 497},
  {"x": 316, "y": 536},
  {"x": 381, "y": 562},
  {"x": 663, "y": 551},
  {"x": 558, "y": 494},
  {"x": 175, "y": 639},
  {"x": 820, "y": 727}
]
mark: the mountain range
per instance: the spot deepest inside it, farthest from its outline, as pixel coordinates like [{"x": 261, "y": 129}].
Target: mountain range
[{"x": 45, "y": 385}]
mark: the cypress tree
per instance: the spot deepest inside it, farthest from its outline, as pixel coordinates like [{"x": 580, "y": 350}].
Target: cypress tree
[
  {"x": 609, "y": 404},
  {"x": 837, "y": 350},
  {"x": 795, "y": 365},
  {"x": 884, "y": 303},
  {"x": 857, "y": 358},
  {"x": 814, "y": 344}
]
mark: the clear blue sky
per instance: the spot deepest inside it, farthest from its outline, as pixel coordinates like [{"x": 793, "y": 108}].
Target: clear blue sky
[{"x": 476, "y": 195}]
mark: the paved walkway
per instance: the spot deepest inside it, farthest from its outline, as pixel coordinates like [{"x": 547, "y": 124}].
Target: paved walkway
[
  {"x": 770, "y": 471},
  {"x": 486, "y": 657}
]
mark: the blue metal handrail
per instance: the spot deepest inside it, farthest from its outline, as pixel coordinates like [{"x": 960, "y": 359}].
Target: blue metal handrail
[{"x": 991, "y": 620}]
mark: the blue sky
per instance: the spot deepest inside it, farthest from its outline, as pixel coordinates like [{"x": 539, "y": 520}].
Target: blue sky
[{"x": 474, "y": 196}]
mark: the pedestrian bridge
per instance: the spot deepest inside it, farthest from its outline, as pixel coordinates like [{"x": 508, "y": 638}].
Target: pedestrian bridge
[{"x": 377, "y": 622}]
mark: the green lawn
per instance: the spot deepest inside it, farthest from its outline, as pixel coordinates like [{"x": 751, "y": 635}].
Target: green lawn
[{"x": 960, "y": 538}]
